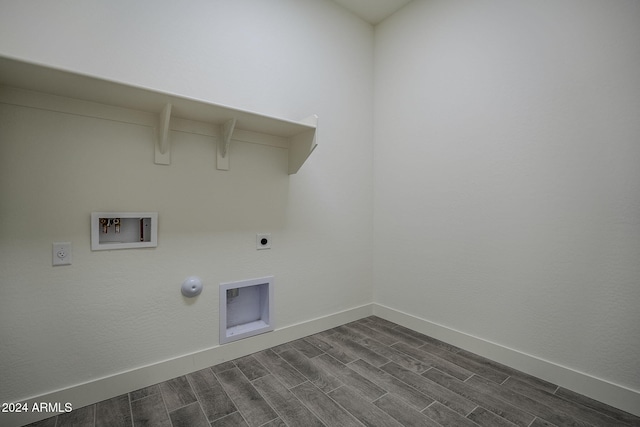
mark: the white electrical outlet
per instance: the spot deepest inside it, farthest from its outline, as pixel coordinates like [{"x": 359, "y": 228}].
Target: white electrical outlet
[
  {"x": 263, "y": 241},
  {"x": 61, "y": 253}
]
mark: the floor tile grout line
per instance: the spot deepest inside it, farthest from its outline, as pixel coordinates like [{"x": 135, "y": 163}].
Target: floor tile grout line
[
  {"x": 295, "y": 369},
  {"x": 338, "y": 403},
  {"x": 395, "y": 378},
  {"x": 164, "y": 403},
  {"x": 477, "y": 406},
  {"x": 527, "y": 411},
  {"x": 275, "y": 410},
  {"x": 317, "y": 415},
  {"x": 552, "y": 409},
  {"x": 278, "y": 417},
  {"x": 195, "y": 393},
  {"x": 366, "y": 336},
  {"x": 130, "y": 409},
  {"x": 215, "y": 374},
  {"x": 472, "y": 401},
  {"x": 295, "y": 397}
]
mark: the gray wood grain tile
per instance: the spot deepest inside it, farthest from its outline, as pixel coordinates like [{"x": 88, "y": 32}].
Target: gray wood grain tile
[
  {"x": 572, "y": 409},
  {"x": 307, "y": 367},
  {"x": 251, "y": 368},
  {"x": 189, "y": 416},
  {"x": 177, "y": 392},
  {"x": 212, "y": 397},
  {"x": 446, "y": 417},
  {"x": 379, "y": 321},
  {"x": 365, "y": 387},
  {"x": 150, "y": 412},
  {"x": 114, "y": 412},
  {"x": 326, "y": 333},
  {"x": 280, "y": 368},
  {"x": 232, "y": 420},
  {"x": 402, "y": 359},
  {"x": 47, "y": 422},
  {"x": 367, "y": 332},
  {"x": 531, "y": 380},
  {"x": 349, "y": 333},
  {"x": 286, "y": 404},
  {"x": 393, "y": 385},
  {"x": 306, "y": 348},
  {"x": 356, "y": 350},
  {"x": 202, "y": 380},
  {"x": 427, "y": 339},
  {"x": 282, "y": 347},
  {"x": 144, "y": 392},
  {"x": 541, "y": 423},
  {"x": 391, "y": 331},
  {"x": 546, "y": 413},
  {"x": 367, "y": 413},
  {"x": 221, "y": 367},
  {"x": 477, "y": 367},
  {"x": 275, "y": 423},
  {"x": 326, "y": 409},
  {"x": 403, "y": 412},
  {"x": 432, "y": 360},
  {"x": 487, "y": 401},
  {"x": 607, "y": 410},
  {"x": 435, "y": 391},
  {"x": 215, "y": 403},
  {"x": 255, "y": 410},
  {"x": 81, "y": 417},
  {"x": 336, "y": 351},
  {"x": 486, "y": 418}
]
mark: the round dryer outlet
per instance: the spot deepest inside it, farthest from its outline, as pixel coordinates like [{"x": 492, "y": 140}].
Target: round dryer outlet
[{"x": 263, "y": 241}]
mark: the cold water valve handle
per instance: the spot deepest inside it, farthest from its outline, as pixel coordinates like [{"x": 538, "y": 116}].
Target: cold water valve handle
[{"x": 191, "y": 287}]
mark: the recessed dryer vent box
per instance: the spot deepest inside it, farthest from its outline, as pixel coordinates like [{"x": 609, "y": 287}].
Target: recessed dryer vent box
[
  {"x": 245, "y": 308},
  {"x": 123, "y": 230}
]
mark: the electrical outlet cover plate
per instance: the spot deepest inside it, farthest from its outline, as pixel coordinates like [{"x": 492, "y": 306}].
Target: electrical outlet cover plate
[
  {"x": 263, "y": 241},
  {"x": 61, "y": 254}
]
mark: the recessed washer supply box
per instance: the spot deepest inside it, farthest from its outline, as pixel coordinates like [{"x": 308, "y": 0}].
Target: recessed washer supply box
[
  {"x": 123, "y": 230},
  {"x": 246, "y": 308}
]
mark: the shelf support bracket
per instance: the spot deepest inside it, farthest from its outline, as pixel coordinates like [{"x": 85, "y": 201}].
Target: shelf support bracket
[
  {"x": 223, "y": 146},
  {"x": 302, "y": 145},
  {"x": 163, "y": 149}
]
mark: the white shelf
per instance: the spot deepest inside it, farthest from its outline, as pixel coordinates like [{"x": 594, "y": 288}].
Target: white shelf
[{"x": 300, "y": 136}]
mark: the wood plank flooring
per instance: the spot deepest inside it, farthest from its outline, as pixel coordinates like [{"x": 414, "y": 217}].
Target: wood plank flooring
[{"x": 370, "y": 372}]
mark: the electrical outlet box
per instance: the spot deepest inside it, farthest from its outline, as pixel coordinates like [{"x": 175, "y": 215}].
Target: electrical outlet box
[
  {"x": 61, "y": 254},
  {"x": 263, "y": 241},
  {"x": 123, "y": 230}
]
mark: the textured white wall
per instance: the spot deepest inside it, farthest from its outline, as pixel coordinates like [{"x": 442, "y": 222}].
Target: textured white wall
[
  {"x": 507, "y": 178},
  {"x": 112, "y": 311}
]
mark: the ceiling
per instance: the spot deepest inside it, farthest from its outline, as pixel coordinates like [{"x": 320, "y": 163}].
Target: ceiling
[{"x": 373, "y": 11}]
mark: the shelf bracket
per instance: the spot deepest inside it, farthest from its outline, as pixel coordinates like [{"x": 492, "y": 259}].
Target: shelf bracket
[
  {"x": 223, "y": 146},
  {"x": 302, "y": 145},
  {"x": 163, "y": 149}
]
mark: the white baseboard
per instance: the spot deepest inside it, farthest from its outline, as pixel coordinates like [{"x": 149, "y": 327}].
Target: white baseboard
[
  {"x": 612, "y": 394},
  {"x": 114, "y": 385}
]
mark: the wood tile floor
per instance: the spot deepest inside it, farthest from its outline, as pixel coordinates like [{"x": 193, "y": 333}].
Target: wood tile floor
[{"x": 370, "y": 372}]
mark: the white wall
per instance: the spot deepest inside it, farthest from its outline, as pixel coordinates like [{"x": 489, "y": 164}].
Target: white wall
[
  {"x": 112, "y": 311},
  {"x": 507, "y": 178}
]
